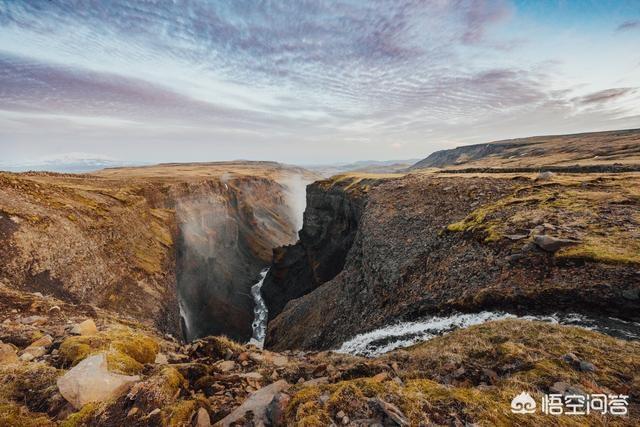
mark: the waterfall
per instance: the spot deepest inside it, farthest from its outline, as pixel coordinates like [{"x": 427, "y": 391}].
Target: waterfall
[{"x": 260, "y": 313}]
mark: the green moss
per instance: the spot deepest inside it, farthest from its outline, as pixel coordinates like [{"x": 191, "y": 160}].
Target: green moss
[
  {"x": 127, "y": 351},
  {"x": 122, "y": 363},
  {"x": 12, "y": 415},
  {"x": 81, "y": 417},
  {"x": 172, "y": 380},
  {"x": 180, "y": 413}
]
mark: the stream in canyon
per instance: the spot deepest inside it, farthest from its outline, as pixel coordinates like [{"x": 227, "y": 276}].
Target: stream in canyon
[
  {"x": 260, "y": 312},
  {"x": 404, "y": 334}
]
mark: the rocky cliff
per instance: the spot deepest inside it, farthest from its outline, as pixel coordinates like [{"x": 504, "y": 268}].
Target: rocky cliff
[
  {"x": 429, "y": 244},
  {"x": 143, "y": 241},
  {"x": 330, "y": 225}
]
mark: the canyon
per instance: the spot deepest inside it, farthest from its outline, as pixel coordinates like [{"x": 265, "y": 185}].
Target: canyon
[
  {"x": 427, "y": 296},
  {"x": 153, "y": 242}
]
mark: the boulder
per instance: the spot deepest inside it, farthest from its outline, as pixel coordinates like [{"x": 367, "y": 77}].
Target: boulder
[
  {"x": 256, "y": 403},
  {"x": 88, "y": 327},
  {"x": 91, "y": 381},
  {"x": 553, "y": 244}
]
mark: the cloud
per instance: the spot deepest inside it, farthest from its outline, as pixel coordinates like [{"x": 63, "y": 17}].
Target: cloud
[
  {"x": 232, "y": 78},
  {"x": 606, "y": 95},
  {"x": 629, "y": 25}
]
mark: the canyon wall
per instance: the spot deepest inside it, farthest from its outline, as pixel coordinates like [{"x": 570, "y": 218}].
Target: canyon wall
[
  {"x": 150, "y": 242},
  {"x": 427, "y": 244}
]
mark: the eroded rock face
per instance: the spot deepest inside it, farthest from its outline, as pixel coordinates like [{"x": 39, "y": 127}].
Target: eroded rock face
[
  {"x": 330, "y": 225},
  {"x": 408, "y": 261},
  {"x": 91, "y": 381}
]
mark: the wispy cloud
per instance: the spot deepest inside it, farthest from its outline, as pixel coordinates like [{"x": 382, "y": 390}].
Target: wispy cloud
[
  {"x": 236, "y": 75},
  {"x": 629, "y": 25}
]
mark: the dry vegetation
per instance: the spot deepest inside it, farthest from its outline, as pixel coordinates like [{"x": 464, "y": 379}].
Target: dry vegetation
[
  {"x": 471, "y": 375},
  {"x": 601, "y": 212}
]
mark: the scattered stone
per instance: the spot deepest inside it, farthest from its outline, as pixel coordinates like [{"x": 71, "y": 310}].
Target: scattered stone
[
  {"x": 276, "y": 410},
  {"x": 257, "y": 403},
  {"x": 31, "y": 353},
  {"x": 226, "y": 366},
  {"x": 380, "y": 377},
  {"x": 571, "y": 359},
  {"x": 587, "y": 366},
  {"x": 88, "y": 327},
  {"x": 559, "y": 387},
  {"x": 252, "y": 375},
  {"x": 33, "y": 320},
  {"x": 161, "y": 359},
  {"x": 44, "y": 341},
  {"x": 202, "y": 418},
  {"x": 553, "y": 244},
  {"x": 280, "y": 361},
  {"x": 341, "y": 415},
  {"x": 91, "y": 381},
  {"x": 244, "y": 356},
  {"x": 314, "y": 382},
  {"x": 545, "y": 176},
  {"x": 256, "y": 357},
  {"x": 8, "y": 354},
  {"x": 393, "y": 412},
  {"x": 516, "y": 236},
  {"x": 27, "y": 357}
]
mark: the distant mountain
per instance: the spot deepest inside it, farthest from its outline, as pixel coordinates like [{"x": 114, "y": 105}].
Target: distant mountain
[
  {"x": 364, "y": 166},
  {"x": 584, "y": 149},
  {"x": 67, "y": 162}
]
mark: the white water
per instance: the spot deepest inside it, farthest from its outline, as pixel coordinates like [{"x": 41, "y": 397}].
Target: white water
[
  {"x": 260, "y": 313},
  {"x": 404, "y": 334}
]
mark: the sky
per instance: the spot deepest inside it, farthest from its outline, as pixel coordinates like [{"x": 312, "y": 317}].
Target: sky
[{"x": 308, "y": 81}]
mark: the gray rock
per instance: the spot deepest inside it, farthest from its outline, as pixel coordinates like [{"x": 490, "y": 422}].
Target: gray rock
[
  {"x": 553, "y": 244},
  {"x": 587, "y": 366},
  {"x": 256, "y": 403},
  {"x": 91, "y": 381}
]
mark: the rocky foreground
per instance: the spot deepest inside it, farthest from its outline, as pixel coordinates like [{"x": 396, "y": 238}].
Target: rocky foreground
[{"x": 76, "y": 365}]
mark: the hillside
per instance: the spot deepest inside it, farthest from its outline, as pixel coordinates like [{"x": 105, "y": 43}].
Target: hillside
[{"x": 584, "y": 149}]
